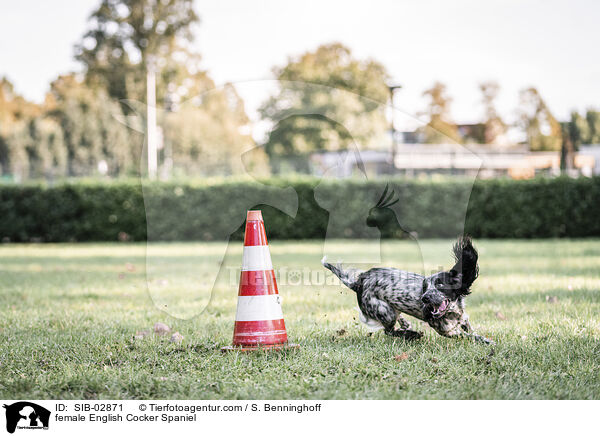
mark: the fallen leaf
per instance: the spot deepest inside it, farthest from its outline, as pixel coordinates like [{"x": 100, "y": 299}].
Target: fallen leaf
[
  {"x": 401, "y": 357},
  {"x": 129, "y": 267},
  {"x": 176, "y": 337},
  {"x": 551, "y": 299},
  {"x": 341, "y": 332},
  {"x": 500, "y": 316},
  {"x": 161, "y": 329},
  {"x": 141, "y": 334}
]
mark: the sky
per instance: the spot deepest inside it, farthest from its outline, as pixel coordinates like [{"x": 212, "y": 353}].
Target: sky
[{"x": 552, "y": 45}]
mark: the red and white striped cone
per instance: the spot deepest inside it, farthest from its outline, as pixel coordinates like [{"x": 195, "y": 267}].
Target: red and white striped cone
[{"x": 259, "y": 319}]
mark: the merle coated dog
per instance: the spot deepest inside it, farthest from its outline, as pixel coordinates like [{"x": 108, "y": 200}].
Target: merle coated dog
[{"x": 385, "y": 293}]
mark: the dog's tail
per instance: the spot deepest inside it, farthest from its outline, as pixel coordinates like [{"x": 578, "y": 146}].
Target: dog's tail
[
  {"x": 348, "y": 277},
  {"x": 466, "y": 262}
]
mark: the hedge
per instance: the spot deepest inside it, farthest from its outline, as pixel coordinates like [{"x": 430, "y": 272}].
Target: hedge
[{"x": 111, "y": 211}]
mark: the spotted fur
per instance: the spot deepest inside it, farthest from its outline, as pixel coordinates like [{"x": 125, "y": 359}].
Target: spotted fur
[{"x": 384, "y": 294}]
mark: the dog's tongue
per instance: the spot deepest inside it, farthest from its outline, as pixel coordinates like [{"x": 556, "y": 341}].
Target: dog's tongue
[{"x": 443, "y": 305}]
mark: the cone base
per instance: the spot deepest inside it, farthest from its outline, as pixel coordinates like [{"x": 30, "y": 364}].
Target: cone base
[{"x": 247, "y": 348}]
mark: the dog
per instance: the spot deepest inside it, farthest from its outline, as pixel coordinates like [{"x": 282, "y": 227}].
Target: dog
[{"x": 384, "y": 294}]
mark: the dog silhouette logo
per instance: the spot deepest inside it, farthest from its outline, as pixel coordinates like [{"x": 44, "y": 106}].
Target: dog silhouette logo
[{"x": 26, "y": 415}]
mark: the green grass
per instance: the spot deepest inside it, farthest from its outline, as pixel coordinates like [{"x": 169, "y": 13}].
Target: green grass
[{"x": 68, "y": 314}]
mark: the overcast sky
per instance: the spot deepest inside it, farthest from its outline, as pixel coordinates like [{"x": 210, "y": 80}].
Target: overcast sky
[{"x": 552, "y": 45}]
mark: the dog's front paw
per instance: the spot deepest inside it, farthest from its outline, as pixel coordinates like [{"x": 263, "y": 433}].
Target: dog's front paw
[{"x": 485, "y": 340}]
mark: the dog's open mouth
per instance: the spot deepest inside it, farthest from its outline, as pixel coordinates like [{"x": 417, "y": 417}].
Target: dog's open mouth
[{"x": 440, "y": 310}]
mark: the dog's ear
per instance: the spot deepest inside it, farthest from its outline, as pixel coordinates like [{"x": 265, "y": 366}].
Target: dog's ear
[
  {"x": 455, "y": 278},
  {"x": 466, "y": 268},
  {"x": 456, "y": 282}
]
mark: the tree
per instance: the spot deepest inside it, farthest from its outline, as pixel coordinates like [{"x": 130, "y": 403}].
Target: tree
[
  {"x": 46, "y": 151},
  {"x": 494, "y": 127},
  {"x": 593, "y": 121},
  {"x": 91, "y": 131},
  {"x": 567, "y": 150},
  {"x": 126, "y": 36},
  {"x": 542, "y": 130},
  {"x": 204, "y": 135},
  {"x": 440, "y": 128},
  {"x": 13, "y": 107},
  {"x": 200, "y": 125},
  {"x": 34, "y": 149},
  {"x": 578, "y": 130},
  {"x": 326, "y": 100},
  {"x": 575, "y": 132},
  {"x": 15, "y": 115}
]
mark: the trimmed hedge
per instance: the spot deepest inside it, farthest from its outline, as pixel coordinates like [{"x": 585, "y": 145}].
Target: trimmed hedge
[{"x": 538, "y": 208}]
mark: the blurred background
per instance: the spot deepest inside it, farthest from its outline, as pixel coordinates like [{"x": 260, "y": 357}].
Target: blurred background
[
  {"x": 515, "y": 83},
  {"x": 175, "y": 91}
]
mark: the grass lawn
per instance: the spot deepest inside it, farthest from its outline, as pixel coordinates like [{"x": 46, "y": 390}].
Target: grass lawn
[{"x": 69, "y": 313}]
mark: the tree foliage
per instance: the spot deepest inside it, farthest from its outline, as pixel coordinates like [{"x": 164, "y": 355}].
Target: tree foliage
[
  {"x": 577, "y": 131},
  {"x": 204, "y": 136},
  {"x": 30, "y": 143},
  {"x": 70, "y": 134},
  {"x": 201, "y": 126},
  {"x": 593, "y": 121},
  {"x": 327, "y": 100},
  {"x": 93, "y": 134},
  {"x": 439, "y": 128},
  {"x": 494, "y": 126},
  {"x": 82, "y": 128},
  {"x": 126, "y": 35},
  {"x": 542, "y": 130}
]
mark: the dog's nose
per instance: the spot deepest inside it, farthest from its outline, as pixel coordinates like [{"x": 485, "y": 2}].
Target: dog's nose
[{"x": 426, "y": 299}]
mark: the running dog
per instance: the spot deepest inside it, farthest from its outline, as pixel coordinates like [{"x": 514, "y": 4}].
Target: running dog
[{"x": 385, "y": 293}]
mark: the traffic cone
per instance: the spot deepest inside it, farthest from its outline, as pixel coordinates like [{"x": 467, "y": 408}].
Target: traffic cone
[{"x": 259, "y": 321}]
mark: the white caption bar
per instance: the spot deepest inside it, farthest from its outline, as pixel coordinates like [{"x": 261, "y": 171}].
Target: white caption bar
[{"x": 248, "y": 417}]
